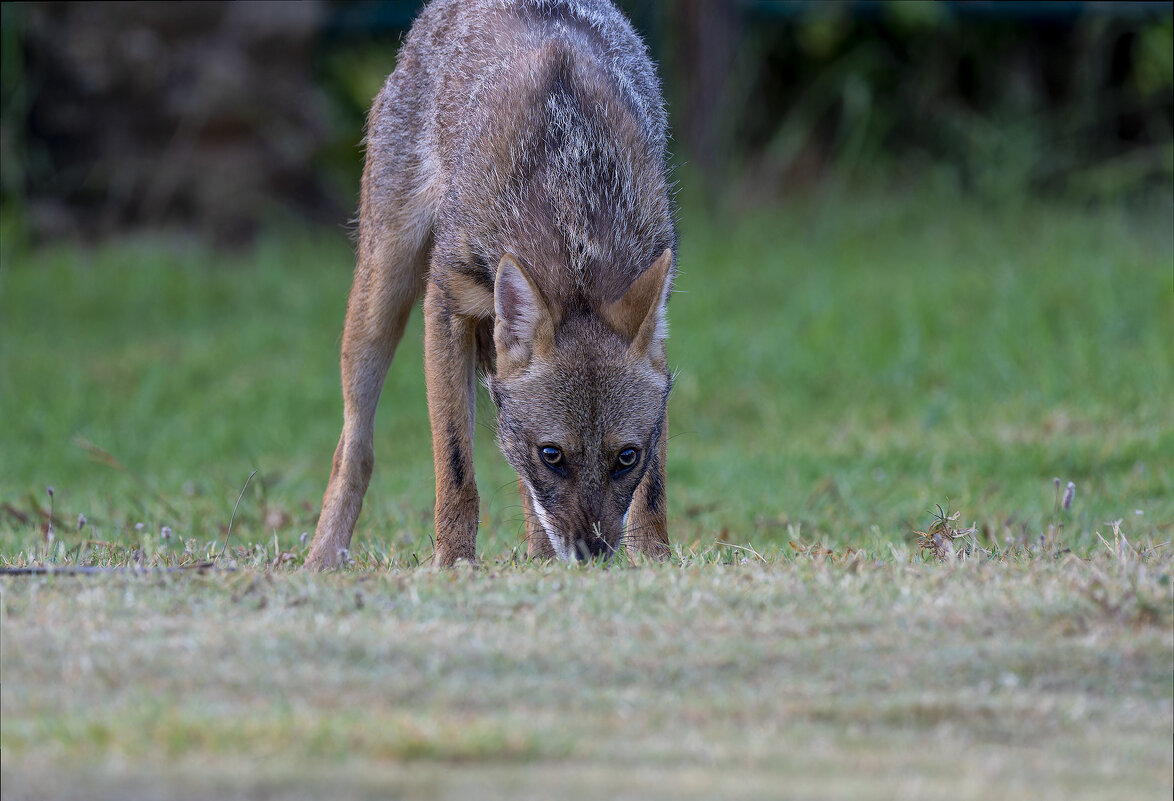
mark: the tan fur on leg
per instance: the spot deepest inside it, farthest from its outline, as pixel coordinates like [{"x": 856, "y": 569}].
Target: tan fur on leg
[
  {"x": 387, "y": 282},
  {"x": 647, "y": 529},
  {"x": 537, "y": 541}
]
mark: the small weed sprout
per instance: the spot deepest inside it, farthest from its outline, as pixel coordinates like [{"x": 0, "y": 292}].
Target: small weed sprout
[
  {"x": 938, "y": 540},
  {"x": 49, "y": 535},
  {"x": 232, "y": 519},
  {"x": 1061, "y": 503}
]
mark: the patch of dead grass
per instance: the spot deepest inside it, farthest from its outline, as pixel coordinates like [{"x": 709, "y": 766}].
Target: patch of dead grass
[{"x": 782, "y": 664}]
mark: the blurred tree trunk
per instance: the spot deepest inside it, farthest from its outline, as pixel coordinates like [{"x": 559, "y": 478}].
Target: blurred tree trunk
[{"x": 703, "y": 42}]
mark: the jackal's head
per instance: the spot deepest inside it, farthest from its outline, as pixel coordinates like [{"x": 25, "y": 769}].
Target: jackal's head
[{"x": 581, "y": 397}]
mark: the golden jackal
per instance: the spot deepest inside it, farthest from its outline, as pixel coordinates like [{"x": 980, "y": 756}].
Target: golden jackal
[{"x": 516, "y": 177}]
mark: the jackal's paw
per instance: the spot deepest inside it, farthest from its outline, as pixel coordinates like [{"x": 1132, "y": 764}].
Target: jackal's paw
[
  {"x": 326, "y": 558},
  {"x": 451, "y": 557}
]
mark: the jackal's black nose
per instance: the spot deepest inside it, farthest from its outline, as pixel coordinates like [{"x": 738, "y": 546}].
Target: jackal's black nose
[{"x": 590, "y": 547}]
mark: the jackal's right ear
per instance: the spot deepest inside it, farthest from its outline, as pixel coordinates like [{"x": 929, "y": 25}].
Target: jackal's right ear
[
  {"x": 523, "y": 325},
  {"x": 639, "y": 316}
]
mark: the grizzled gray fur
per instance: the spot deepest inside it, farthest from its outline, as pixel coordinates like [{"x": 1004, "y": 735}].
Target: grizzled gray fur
[{"x": 516, "y": 175}]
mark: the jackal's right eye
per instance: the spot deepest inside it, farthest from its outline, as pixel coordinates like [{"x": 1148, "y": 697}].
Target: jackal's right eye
[
  {"x": 551, "y": 455},
  {"x": 627, "y": 458}
]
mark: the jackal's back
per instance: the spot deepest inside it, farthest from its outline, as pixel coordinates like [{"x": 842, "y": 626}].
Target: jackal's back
[{"x": 539, "y": 128}]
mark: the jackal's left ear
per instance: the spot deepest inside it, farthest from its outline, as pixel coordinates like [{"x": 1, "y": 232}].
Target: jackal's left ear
[
  {"x": 523, "y": 323},
  {"x": 640, "y": 315}
]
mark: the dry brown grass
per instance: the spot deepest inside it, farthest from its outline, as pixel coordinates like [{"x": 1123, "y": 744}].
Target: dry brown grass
[{"x": 821, "y": 675}]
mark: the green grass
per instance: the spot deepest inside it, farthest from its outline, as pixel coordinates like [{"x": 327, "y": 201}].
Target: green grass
[{"x": 845, "y": 363}]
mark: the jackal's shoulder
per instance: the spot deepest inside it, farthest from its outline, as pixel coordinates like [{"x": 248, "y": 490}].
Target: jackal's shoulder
[
  {"x": 542, "y": 126},
  {"x": 472, "y": 47}
]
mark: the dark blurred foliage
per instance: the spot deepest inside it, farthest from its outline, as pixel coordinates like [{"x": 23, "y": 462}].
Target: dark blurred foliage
[
  {"x": 221, "y": 117},
  {"x": 120, "y": 115},
  {"x": 1071, "y": 99}
]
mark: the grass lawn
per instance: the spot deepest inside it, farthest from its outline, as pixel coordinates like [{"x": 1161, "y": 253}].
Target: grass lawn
[
  {"x": 846, "y": 362},
  {"x": 805, "y": 678}
]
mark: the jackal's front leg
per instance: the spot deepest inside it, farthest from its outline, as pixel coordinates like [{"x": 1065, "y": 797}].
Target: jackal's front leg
[
  {"x": 647, "y": 526},
  {"x": 387, "y": 282},
  {"x": 537, "y": 540},
  {"x": 450, "y": 368}
]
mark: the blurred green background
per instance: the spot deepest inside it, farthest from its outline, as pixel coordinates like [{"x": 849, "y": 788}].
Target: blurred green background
[
  {"x": 221, "y": 117},
  {"x": 926, "y": 256}
]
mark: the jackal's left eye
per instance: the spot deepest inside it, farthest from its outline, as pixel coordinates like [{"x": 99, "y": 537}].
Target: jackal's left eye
[
  {"x": 551, "y": 455},
  {"x": 626, "y": 460}
]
